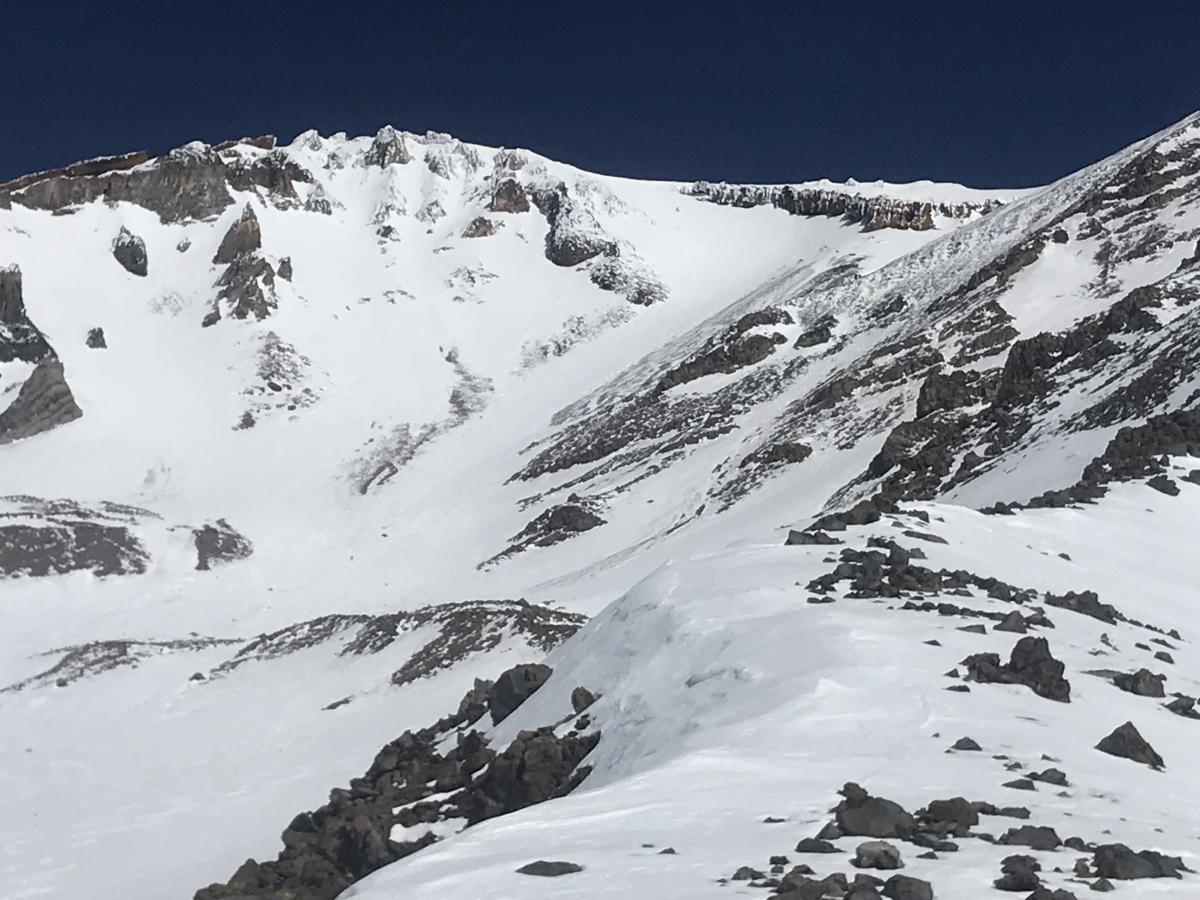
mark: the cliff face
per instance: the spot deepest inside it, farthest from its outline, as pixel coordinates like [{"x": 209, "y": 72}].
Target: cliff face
[
  {"x": 872, "y": 212},
  {"x": 44, "y": 400}
]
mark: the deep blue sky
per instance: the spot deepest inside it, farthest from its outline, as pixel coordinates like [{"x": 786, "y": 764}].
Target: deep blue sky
[{"x": 987, "y": 93}]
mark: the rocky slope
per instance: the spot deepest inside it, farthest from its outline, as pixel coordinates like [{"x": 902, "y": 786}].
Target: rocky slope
[{"x": 839, "y": 471}]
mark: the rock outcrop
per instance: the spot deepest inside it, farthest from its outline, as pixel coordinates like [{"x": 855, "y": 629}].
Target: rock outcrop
[
  {"x": 871, "y": 212},
  {"x": 130, "y": 251},
  {"x": 382, "y": 816},
  {"x": 219, "y": 543},
  {"x": 53, "y": 537},
  {"x": 244, "y": 236},
  {"x": 19, "y": 337},
  {"x": 1031, "y": 664},
  {"x": 44, "y": 402},
  {"x": 387, "y": 148},
  {"x": 187, "y": 183}
]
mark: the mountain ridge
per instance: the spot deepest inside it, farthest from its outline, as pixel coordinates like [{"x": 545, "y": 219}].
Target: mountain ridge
[{"x": 393, "y": 381}]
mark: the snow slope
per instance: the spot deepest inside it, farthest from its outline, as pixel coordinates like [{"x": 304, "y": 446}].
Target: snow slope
[
  {"x": 414, "y": 400},
  {"x": 727, "y": 699}
]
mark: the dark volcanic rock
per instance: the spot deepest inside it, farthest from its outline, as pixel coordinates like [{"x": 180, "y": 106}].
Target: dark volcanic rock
[
  {"x": 1128, "y": 743},
  {"x": 44, "y": 402},
  {"x": 574, "y": 237},
  {"x": 55, "y": 537},
  {"x": 955, "y": 812},
  {"x": 554, "y": 525},
  {"x": 220, "y": 543},
  {"x": 329, "y": 849},
  {"x": 581, "y": 699},
  {"x": 187, "y": 183},
  {"x": 130, "y": 251},
  {"x": 243, "y": 237},
  {"x": 1118, "y": 861},
  {"x": 480, "y": 226},
  {"x": 388, "y": 147},
  {"x": 514, "y": 687},
  {"x": 509, "y": 197},
  {"x": 815, "y": 845},
  {"x": 1019, "y": 873},
  {"x": 1143, "y": 682},
  {"x": 549, "y": 869},
  {"x": 95, "y": 339},
  {"x": 861, "y": 814},
  {"x": 903, "y": 887},
  {"x": 1037, "y": 837},
  {"x": 246, "y": 289},
  {"x": 1030, "y": 664},
  {"x": 19, "y": 338}
]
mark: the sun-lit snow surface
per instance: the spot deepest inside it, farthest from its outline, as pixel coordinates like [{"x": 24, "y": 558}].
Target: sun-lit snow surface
[
  {"x": 380, "y": 334},
  {"x": 728, "y": 699}
]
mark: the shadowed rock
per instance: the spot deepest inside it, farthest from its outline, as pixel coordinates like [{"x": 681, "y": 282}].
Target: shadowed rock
[
  {"x": 1143, "y": 682},
  {"x": 219, "y": 544},
  {"x": 548, "y": 869},
  {"x": 1030, "y": 664},
  {"x": 861, "y": 814},
  {"x": 514, "y": 687},
  {"x": 44, "y": 402},
  {"x": 1118, "y": 861},
  {"x": 1128, "y": 743},
  {"x": 243, "y": 236},
  {"x": 130, "y": 251}
]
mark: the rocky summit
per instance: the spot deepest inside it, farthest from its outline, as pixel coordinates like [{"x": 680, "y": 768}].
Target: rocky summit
[{"x": 394, "y": 516}]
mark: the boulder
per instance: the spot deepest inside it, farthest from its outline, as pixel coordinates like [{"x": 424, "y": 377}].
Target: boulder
[
  {"x": 1031, "y": 664},
  {"x": 1018, "y": 873},
  {"x": 219, "y": 543},
  {"x": 549, "y": 869},
  {"x": 43, "y": 402},
  {"x": 514, "y": 687},
  {"x": 902, "y": 887},
  {"x": 480, "y": 226},
  {"x": 1036, "y": 837},
  {"x": 877, "y": 855},
  {"x": 1128, "y": 743},
  {"x": 130, "y": 251},
  {"x": 581, "y": 699},
  {"x": 861, "y": 814},
  {"x": 1143, "y": 682},
  {"x": 95, "y": 339},
  {"x": 957, "y": 812},
  {"x": 1119, "y": 862},
  {"x": 815, "y": 845}
]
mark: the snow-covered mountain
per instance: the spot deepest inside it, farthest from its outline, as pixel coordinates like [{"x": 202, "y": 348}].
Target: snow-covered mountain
[{"x": 309, "y": 446}]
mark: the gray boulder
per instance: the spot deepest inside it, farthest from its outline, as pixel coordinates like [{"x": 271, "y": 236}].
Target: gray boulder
[
  {"x": 549, "y": 869},
  {"x": 514, "y": 687},
  {"x": 220, "y": 543},
  {"x": 1128, "y": 743},
  {"x": 877, "y": 855},
  {"x": 130, "y": 251},
  {"x": 1118, "y": 861},
  {"x": 861, "y": 814}
]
